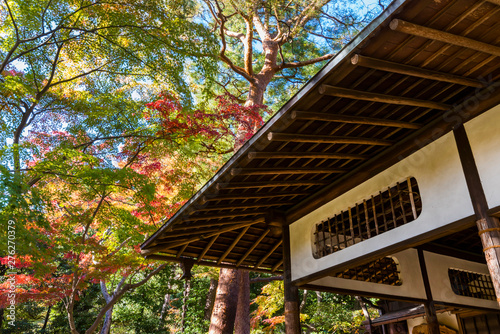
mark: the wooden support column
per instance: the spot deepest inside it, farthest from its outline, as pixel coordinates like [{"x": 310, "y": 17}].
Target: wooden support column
[
  {"x": 292, "y": 313},
  {"x": 489, "y": 227},
  {"x": 430, "y": 309}
]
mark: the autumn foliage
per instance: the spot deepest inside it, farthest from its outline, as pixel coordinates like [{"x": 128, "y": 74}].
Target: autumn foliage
[{"x": 100, "y": 195}]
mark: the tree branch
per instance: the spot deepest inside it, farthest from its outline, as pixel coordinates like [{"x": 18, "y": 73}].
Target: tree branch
[
  {"x": 304, "y": 63},
  {"x": 117, "y": 296}
]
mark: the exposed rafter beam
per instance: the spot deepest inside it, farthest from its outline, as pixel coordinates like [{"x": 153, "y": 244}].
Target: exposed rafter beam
[
  {"x": 442, "y": 36},
  {"x": 280, "y": 171},
  {"x": 233, "y": 244},
  {"x": 305, "y": 155},
  {"x": 225, "y": 215},
  {"x": 388, "y": 66},
  {"x": 161, "y": 247},
  {"x": 299, "y": 138},
  {"x": 250, "y": 250},
  {"x": 382, "y": 98},
  {"x": 326, "y": 117},
  {"x": 244, "y": 206},
  {"x": 271, "y": 184},
  {"x": 191, "y": 232},
  {"x": 251, "y": 195},
  {"x": 203, "y": 263},
  {"x": 189, "y": 227},
  {"x": 277, "y": 265},
  {"x": 268, "y": 254},
  {"x": 207, "y": 247}
]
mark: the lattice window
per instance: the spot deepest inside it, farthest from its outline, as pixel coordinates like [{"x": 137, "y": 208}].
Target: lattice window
[
  {"x": 389, "y": 209},
  {"x": 382, "y": 271},
  {"x": 470, "y": 284}
]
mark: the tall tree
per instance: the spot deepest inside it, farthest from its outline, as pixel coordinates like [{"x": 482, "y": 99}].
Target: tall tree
[{"x": 271, "y": 42}]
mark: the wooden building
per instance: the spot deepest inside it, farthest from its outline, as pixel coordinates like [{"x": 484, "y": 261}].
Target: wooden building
[{"x": 380, "y": 177}]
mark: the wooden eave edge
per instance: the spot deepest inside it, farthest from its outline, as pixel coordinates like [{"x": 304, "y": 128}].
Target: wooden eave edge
[{"x": 343, "y": 56}]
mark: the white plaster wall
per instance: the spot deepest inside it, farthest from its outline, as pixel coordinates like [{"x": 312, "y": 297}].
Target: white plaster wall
[
  {"x": 437, "y": 270},
  {"x": 445, "y": 199},
  {"x": 411, "y": 277},
  {"x": 446, "y": 318},
  {"x": 484, "y": 137}
]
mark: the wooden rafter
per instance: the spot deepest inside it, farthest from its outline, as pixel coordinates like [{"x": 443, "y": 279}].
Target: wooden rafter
[
  {"x": 375, "y": 97},
  {"x": 162, "y": 247},
  {"x": 203, "y": 263},
  {"x": 308, "y": 155},
  {"x": 244, "y": 206},
  {"x": 207, "y": 247},
  {"x": 277, "y": 265},
  {"x": 230, "y": 248},
  {"x": 183, "y": 227},
  {"x": 281, "y": 171},
  {"x": 251, "y": 195},
  {"x": 251, "y": 249},
  {"x": 190, "y": 232},
  {"x": 299, "y": 138},
  {"x": 226, "y": 215},
  {"x": 269, "y": 254},
  {"x": 442, "y": 36},
  {"x": 388, "y": 66},
  {"x": 271, "y": 184},
  {"x": 328, "y": 117}
]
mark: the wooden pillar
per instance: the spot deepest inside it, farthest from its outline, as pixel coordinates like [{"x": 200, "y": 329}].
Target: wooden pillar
[
  {"x": 292, "y": 313},
  {"x": 488, "y": 227},
  {"x": 430, "y": 309}
]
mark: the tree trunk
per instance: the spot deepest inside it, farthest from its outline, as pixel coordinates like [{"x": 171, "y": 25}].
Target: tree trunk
[
  {"x": 1, "y": 317},
  {"x": 209, "y": 304},
  {"x": 106, "y": 327},
  {"x": 223, "y": 315},
  {"x": 368, "y": 327},
  {"x": 46, "y": 321},
  {"x": 242, "y": 323},
  {"x": 187, "y": 290}
]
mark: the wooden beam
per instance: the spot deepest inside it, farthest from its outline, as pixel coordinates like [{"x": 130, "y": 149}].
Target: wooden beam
[
  {"x": 190, "y": 232},
  {"x": 251, "y": 195},
  {"x": 382, "y": 98},
  {"x": 225, "y": 215},
  {"x": 441, "y": 36},
  {"x": 244, "y": 206},
  {"x": 496, "y": 2},
  {"x": 468, "y": 109},
  {"x": 292, "y": 312},
  {"x": 268, "y": 254},
  {"x": 187, "y": 227},
  {"x": 392, "y": 67},
  {"x": 204, "y": 263},
  {"x": 238, "y": 238},
  {"x": 255, "y": 244},
  {"x": 268, "y": 184},
  {"x": 305, "y": 155},
  {"x": 162, "y": 247},
  {"x": 430, "y": 309},
  {"x": 283, "y": 171},
  {"x": 326, "y": 117},
  {"x": 207, "y": 247},
  {"x": 489, "y": 227},
  {"x": 300, "y": 138},
  {"x": 277, "y": 265}
]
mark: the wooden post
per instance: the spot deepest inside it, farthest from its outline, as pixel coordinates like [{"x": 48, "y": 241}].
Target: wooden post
[
  {"x": 489, "y": 227},
  {"x": 292, "y": 314},
  {"x": 430, "y": 310}
]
